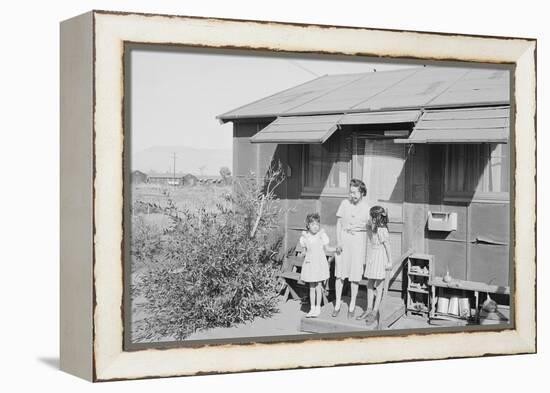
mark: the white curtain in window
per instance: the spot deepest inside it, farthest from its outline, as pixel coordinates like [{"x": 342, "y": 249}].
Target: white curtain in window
[
  {"x": 496, "y": 172},
  {"x": 479, "y": 168}
]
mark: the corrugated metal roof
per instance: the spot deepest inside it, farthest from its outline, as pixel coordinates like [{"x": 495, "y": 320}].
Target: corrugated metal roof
[
  {"x": 298, "y": 129},
  {"x": 412, "y": 88},
  {"x": 471, "y": 125},
  {"x": 381, "y": 117}
]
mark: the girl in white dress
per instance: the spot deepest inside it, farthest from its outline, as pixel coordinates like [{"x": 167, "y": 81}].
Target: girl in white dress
[
  {"x": 378, "y": 261},
  {"x": 315, "y": 268}
]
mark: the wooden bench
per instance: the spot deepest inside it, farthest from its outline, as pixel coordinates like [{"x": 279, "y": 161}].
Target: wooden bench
[
  {"x": 465, "y": 286},
  {"x": 290, "y": 273}
]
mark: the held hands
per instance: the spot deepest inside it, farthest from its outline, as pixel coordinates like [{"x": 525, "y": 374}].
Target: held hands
[
  {"x": 389, "y": 266},
  {"x": 339, "y": 249},
  {"x": 302, "y": 254}
]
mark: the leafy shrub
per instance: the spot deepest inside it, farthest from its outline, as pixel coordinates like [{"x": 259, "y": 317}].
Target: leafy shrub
[
  {"x": 145, "y": 242},
  {"x": 215, "y": 267}
]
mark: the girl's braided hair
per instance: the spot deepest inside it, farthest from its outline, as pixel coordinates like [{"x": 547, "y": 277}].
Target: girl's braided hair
[{"x": 379, "y": 217}]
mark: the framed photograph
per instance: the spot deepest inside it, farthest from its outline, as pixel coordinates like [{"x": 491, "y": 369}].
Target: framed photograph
[{"x": 249, "y": 195}]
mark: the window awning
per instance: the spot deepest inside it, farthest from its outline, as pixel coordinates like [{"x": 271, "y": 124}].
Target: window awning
[
  {"x": 298, "y": 129},
  {"x": 470, "y": 125},
  {"x": 317, "y": 129}
]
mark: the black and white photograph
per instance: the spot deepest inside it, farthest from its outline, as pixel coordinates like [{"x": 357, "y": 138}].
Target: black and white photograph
[
  {"x": 278, "y": 196},
  {"x": 208, "y": 196}
]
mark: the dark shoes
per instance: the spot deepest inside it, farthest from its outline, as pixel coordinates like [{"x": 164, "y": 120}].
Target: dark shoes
[
  {"x": 372, "y": 317},
  {"x": 364, "y": 315},
  {"x": 336, "y": 312}
]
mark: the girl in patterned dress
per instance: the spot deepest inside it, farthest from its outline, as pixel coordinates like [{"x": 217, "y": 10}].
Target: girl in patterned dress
[
  {"x": 315, "y": 269},
  {"x": 378, "y": 261}
]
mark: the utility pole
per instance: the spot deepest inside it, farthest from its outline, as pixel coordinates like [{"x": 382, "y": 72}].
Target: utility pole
[{"x": 174, "y": 157}]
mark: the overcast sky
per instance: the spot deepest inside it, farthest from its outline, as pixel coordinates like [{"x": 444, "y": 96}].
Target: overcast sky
[{"x": 176, "y": 94}]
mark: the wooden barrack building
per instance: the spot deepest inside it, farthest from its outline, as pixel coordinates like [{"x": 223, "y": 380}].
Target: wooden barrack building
[{"x": 431, "y": 144}]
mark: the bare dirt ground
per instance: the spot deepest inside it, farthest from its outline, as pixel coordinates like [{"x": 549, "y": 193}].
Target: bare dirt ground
[{"x": 285, "y": 322}]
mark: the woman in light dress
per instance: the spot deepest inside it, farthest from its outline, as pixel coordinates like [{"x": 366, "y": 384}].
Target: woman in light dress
[{"x": 351, "y": 233}]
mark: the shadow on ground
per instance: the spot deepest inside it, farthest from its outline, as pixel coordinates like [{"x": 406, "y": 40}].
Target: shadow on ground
[{"x": 52, "y": 362}]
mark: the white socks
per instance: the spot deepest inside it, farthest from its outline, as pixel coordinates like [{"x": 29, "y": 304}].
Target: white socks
[{"x": 314, "y": 311}]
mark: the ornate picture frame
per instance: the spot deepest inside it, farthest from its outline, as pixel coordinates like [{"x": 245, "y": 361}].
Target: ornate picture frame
[{"x": 93, "y": 48}]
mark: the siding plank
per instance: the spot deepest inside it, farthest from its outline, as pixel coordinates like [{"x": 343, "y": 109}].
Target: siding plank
[
  {"x": 448, "y": 254},
  {"x": 489, "y": 264},
  {"x": 490, "y": 221}
]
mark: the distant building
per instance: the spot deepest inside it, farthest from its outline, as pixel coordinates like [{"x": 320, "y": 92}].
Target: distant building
[
  {"x": 190, "y": 180},
  {"x": 170, "y": 180},
  {"x": 210, "y": 180},
  {"x": 166, "y": 180},
  {"x": 138, "y": 177}
]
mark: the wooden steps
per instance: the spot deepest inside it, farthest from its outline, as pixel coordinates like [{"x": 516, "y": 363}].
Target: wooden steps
[{"x": 393, "y": 309}]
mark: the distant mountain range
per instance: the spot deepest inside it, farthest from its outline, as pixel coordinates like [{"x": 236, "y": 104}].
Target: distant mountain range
[{"x": 188, "y": 160}]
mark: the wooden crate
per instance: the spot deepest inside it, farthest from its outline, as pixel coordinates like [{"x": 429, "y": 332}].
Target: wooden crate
[{"x": 419, "y": 272}]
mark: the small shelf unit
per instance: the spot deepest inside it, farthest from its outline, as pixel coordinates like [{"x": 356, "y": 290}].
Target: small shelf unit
[{"x": 419, "y": 273}]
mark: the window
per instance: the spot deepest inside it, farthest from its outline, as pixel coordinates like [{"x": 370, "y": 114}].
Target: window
[
  {"x": 477, "y": 171},
  {"x": 327, "y": 166}
]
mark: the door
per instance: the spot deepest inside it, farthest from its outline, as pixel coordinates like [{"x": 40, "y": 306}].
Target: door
[{"x": 380, "y": 163}]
